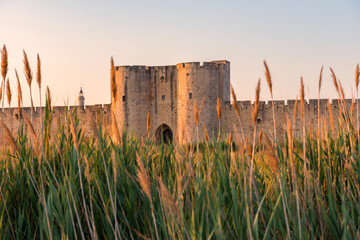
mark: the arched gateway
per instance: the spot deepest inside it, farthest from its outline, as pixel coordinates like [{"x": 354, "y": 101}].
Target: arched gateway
[{"x": 164, "y": 133}]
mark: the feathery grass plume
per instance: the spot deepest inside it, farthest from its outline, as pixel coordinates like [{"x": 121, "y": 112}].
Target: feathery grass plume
[
  {"x": 1, "y": 92},
  {"x": 218, "y": 109},
  {"x": 112, "y": 79},
  {"x": 115, "y": 128},
  {"x": 268, "y": 77},
  {"x": 255, "y": 110},
  {"x": 144, "y": 182},
  {"x": 169, "y": 203},
  {"x": 295, "y": 109},
  {"x": 269, "y": 153},
  {"x": 196, "y": 114},
  {"x": 331, "y": 116},
  {"x": 38, "y": 71},
  {"x": 320, "y": 77},
  {"x": 234, "y": 101},
  {"x": 206, "y": 134},
  {"x": 341, "y": 90},
  {"x": 27, "y": 69},
  {"x": 148, "y": 123},
  {"x": 4, "y": 70},
  {"x": 73, "y": 132},
  {"x": 8, "y": 92},
  {"x": 302, "y": 100},
  {"x": 357, "y": 76},
  {"x": 48, "y": 97},
  {"x": 33, "y": 135},
  {"x": 333, "y": 76},
  {"x": 352, "y": 108},
  {"x": 143, "y": 178},
  {"x": 201, "y": 105},
  {"x": 29, "y": 76},
  {"x": 228, "y": 139},
  {"x": 4, "y": 62},
  {"x": 19, "y": 92},
  {"x": 9, "y": 138}
]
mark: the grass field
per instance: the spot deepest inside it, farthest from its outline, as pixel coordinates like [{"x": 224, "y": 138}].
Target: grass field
[{"x": 59, "y": 186}]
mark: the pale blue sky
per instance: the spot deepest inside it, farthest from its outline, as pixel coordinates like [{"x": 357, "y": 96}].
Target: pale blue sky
[{"x": 76, "y": 39}]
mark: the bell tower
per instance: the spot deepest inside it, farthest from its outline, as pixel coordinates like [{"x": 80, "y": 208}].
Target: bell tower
[{"x": 81, "y": 99}]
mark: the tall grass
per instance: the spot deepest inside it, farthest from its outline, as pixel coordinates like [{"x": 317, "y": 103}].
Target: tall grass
[{"x": 64, "y": 186}]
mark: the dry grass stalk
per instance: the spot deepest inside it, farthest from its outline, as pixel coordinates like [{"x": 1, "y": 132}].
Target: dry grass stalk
[
  {"x": 331, "y": 116},
  {"x": 269, "y": 153},
  {"x": 148, "y": 123},
  {"x": 8, "y": 92},
  {"x": 302, "y": 100},
  {"x": 255, "y": 109},
  {"x": 112, "y": 79},
  {"x": 169, "y": 202},
  {"x": 342, "y": 91},
  {"x": 19, "y": 91},
  {"x": 295, "y": 109}
]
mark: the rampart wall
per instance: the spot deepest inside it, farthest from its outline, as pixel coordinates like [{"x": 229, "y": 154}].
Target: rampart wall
[{"x": 15, "y": 121}]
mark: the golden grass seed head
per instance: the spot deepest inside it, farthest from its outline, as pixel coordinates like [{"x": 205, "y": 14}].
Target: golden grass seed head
[
  {"x": 4, "y": 62},
  {"x": 206, "y": 134},
  {"x": 38, "y": 71},
  {"x": 48, "y": 97},
  {"x": 268, "y": 77},
  {"x": 331, "y": 115},
  {"x": 218, "y": 109},
  {"x": 112, "y": 79},
  {"x": 333, "y": 76},
  {"x": 320, "y": 78},
  {"x": 27, "y": 69},
  {"x": 8, "y": 92},
  {"x": 357, "y": 76},
  {"x": 148, "y": 123},
  {"x": 196, "y": 113},
  {"x": 234, "y": 101},
  {"x": 19, "y": 91}
]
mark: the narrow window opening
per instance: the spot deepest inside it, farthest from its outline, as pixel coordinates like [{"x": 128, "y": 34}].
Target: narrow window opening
[
  {"x": 190, "y": 95},
  {"x": 163, "y": 97},
  {"x": 124, "y": 98}
]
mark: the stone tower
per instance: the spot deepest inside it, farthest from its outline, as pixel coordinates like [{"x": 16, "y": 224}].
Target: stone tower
[
  {"x": 168, "y": 93},
  {"x": 81, "y": 99}
]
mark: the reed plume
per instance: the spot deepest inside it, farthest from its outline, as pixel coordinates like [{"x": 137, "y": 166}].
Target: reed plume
[
  {"x": 255, "y": 109},
  {"x": 234, "y": 101},
  {"x": 206, "y": 134},
  {"x": 112, "y": 79},
  {"x": 218, "y": 110},
  {"x": 4, "y": 70},
  {"x": 48, "y": 98},
  {"x": 9, "y": 138},
  {"x": 269, "y": 82},
  {"x": 318, "y": 127},
  {"x": 8, "y": 92},
  {"x": 33, "y": 135},
  {"x": 333, "y": 76},
  {"x": 331, "y": 116},
  {"x": 169, "y": 203},
  {"x": 29, "y": 76},
  {"x": 196, "y": 114},
  {"x": 148, "y": 123},
  {"x": 302, "y": 111},
  {"x": 357, "y": 75},
  {"x": 269, "y": 153},
  {"x": 38, "y": 80},
  {"x": 144, "y": 182},
  {"x": 19, "y": 91}
]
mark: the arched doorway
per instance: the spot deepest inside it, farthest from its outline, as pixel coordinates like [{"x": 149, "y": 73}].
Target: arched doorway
[{"x": 164, "y": 133}]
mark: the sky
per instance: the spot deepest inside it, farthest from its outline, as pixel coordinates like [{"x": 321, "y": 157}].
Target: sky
[{"x": 76, "y": 39}]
